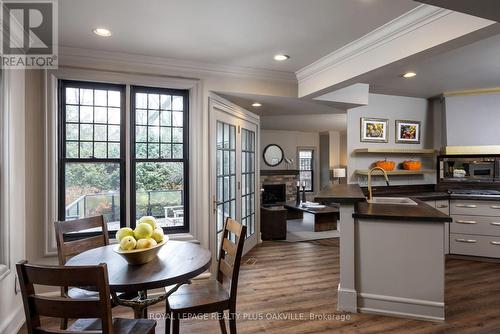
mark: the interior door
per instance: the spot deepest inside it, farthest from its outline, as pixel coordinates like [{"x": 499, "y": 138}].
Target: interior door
[{"x": 233, "y": 176}]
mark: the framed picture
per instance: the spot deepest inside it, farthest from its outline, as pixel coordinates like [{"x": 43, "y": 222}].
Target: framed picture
[
  {"x": 374, "y": 130},
  {"x": 407, "y": 132}
]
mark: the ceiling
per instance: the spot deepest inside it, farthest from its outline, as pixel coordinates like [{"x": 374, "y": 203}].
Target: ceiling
[
  {"x": 472, "y": 66},
  {"x": 279, "y": 105},
  {"x": 488, "y": 9},
  {"x": 230, "y": 32},
  {"x": 305, "y": 123}
]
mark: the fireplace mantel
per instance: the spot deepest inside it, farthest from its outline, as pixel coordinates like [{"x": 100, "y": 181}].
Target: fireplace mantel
[{"x": 279, "y": 172}]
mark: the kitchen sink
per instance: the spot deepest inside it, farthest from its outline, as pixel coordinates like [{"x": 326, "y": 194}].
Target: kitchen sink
[{"x": 392, "y": 200}]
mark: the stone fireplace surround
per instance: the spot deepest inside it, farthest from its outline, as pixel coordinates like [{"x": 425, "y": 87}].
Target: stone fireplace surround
[{"x": 287, "y": 177}]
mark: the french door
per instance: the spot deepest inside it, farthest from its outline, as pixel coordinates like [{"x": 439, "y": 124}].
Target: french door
[{"x": 233, "y": 176}]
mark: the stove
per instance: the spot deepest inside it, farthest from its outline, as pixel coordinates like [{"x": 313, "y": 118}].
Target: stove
[{"x": 475, "y": 193}]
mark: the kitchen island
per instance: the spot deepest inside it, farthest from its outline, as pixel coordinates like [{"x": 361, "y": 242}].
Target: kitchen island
[
  {"x": 399, "y": 259},
  {"x": 391, "y": 255}
]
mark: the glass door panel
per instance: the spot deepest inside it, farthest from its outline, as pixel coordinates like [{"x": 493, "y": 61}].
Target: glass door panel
[
  {"x": 248, "y": 180},
  {"x": 225, "y": 198}
]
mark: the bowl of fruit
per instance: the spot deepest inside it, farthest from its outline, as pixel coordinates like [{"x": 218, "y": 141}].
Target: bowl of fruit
[{"x": 142, "y": 244}]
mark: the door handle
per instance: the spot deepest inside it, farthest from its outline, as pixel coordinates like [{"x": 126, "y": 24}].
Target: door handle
[
  {"x": 215, "y": 204},
  {"x": 471, "y": 222},
  {"x": 468, "y": 206},
  {"x": 467, "y": 241}
]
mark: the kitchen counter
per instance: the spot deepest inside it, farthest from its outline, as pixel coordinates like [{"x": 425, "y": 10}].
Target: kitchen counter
[
  {"x": 341, "y": 193},
  {"x": 420, "y": 212}
]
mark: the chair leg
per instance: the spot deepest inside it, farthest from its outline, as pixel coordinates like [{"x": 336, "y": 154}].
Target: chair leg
[
  {"x": 222, "y": 323},
  {"x": 168, "y": 315},
  {"x": 232, "y": 321},
  {"x": 176, "y": 324}
]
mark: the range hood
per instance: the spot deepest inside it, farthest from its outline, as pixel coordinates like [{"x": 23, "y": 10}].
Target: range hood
[{"x": 471, "y": 150}]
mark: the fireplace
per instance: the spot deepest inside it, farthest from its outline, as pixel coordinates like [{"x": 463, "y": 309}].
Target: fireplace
[{"x": 273, "y": 194}]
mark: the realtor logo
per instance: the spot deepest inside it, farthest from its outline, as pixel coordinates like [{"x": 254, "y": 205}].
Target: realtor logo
[{"x": 29, "y": 34}]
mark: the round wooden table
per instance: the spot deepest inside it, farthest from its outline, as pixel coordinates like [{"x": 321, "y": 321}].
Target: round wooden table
[{"x": 176, "y": 263}]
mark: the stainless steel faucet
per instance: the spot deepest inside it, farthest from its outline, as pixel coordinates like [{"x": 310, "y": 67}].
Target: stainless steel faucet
[{"x": 370, "y": 180}]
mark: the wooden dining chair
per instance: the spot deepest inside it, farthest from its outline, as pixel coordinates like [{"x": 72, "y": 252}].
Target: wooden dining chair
[
  {"x": 210, "y": 296},
  {"x": 68, "y": 249},
  {"x": 92, "y": 314}
]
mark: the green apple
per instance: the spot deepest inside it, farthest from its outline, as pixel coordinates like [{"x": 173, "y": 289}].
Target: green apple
[
  {"x": 143, "y": 231},
  {"x": 146, "y": 243},
  {"x": 158, "y": 234},
  {"x": 124, "y": 232},
  {"x": 148, "y": 220},
  {"x": 128, "y": 243}
]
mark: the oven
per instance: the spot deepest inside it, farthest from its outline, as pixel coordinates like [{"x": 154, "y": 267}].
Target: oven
[{"x": 481, "y": 170}]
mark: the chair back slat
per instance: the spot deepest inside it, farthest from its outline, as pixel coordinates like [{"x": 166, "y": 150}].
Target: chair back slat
[
  {"x": 76, "y": 247},
  {"x": 229, "y": 270},
  {"x": 234, "y": 227},
  {"x": 58, "y": 307},
  {"x": 229, "y": 247},
  {"x": 66, "y": 249},
  {"x": 36, "y": 305}
]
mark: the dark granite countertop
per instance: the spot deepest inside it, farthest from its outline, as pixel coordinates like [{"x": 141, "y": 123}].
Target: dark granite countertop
[
  {"x": 420, "y": 212},
  {"x": 341, "y": 193}
]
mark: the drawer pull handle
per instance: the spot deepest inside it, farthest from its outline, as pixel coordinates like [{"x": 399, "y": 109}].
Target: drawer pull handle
[
  {"x": 468, "y": 206},
  {"x": 495, "y": 224},
  {"x": 471, "y": 222},
  {"x": 442, "y": 206},
  {"x": 495, "y": 206},
  {"x": 496, "y": 243},
  {"x": 467, "y": 241}
]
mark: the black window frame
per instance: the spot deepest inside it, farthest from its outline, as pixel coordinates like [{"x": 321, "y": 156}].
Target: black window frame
[
  {"x": 301, "y": 149},
  {"x": 61, "y": 141},
  {"x": 134, "y": 89}
]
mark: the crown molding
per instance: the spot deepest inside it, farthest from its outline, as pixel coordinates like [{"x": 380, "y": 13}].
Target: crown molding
[
  {"x": 402, "y": 25},
  {"x": 78, "y": 57},
  {"x": 472, "y": 92}
]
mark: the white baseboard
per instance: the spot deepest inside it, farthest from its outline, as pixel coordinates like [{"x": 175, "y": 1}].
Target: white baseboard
[
  {"x": 347, "y": 300},
  {"x": 401, "y": 307},
  {"x": 13, "y": 324}
]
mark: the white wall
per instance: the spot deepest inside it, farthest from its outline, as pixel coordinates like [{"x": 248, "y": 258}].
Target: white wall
[
  {"x": 11, "y": 312},
  {"x": 392, "y": 108},
  {"x": 290, "y": 141},
  {"x": 473, "y": 120}
]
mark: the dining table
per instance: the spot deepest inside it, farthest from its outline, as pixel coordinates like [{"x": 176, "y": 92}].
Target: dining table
[{"x": 176, "y": 264}]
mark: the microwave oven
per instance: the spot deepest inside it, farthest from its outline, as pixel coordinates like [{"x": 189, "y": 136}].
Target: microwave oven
[{"x": 481, "y": 170}]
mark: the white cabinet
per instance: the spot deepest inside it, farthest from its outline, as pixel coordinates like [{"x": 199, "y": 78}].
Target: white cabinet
[
  {"x": 444, "y": 207},
  {"x": 475, "y": 229}
]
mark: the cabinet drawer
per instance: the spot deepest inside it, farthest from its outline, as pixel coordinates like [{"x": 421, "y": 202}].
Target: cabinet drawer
[
  {"x": 483, "y": 225},
  {"x": 475, "y": 208},
  {"x": 444, "y": 206},
  {"x": 474, "y": 245}
]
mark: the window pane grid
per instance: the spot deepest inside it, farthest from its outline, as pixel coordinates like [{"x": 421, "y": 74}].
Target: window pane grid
[
  {"x": 92, "y": 162},
  {"x": 159, "y": 157},
  {"x": 306, "y": 168},
  {"x": 248, "y": 180},
  {"x": 89, "y": 129}
]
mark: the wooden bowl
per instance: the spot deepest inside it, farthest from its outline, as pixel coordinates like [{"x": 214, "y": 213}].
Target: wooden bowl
[{"x": 140, "y": 256}]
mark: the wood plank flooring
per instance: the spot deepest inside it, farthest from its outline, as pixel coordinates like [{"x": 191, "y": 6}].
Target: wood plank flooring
[{"x": 280, "y": 279}]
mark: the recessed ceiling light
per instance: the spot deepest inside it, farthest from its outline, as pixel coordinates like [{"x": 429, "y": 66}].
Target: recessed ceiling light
[
  {"x": 281, "y": 57},
  {"x": 409, "y": 75},
  {"x": 103, "y": 32},
  {"x": 256, "y": 105}
]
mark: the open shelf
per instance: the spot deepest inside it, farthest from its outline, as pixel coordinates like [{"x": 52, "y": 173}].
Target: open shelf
[
  {"x": 395, "y": 151},
  {"x": 396, "y": 172}
]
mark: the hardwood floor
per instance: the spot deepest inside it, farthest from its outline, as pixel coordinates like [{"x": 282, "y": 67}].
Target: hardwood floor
[{"x": 300, "y": 279}]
